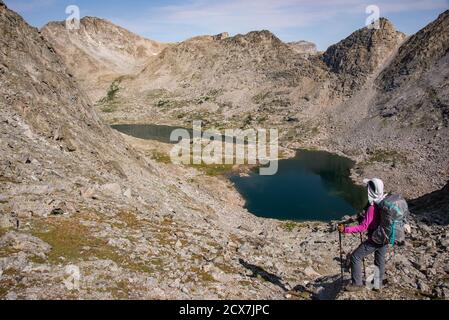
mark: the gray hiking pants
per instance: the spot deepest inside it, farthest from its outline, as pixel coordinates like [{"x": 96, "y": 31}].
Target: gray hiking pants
[{"x": 365, "y": 249}]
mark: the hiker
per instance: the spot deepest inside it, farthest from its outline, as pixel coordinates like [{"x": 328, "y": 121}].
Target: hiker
[{"x": 378, "y": 239}]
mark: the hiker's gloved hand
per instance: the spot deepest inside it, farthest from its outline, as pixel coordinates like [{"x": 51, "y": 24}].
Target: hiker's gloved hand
[
  {"x": 407, "y": 228},
  {"x": 341, "y": 228}
]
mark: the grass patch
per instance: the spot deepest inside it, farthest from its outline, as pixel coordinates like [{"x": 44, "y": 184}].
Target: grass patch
[
  {"x": 214, "y": 169},
  {"x": 110, "y": 108},
  {"x": 67, "y": 238},
  {"x": 75, "y": 242},
  {"x": 384, "y": 156},
  {"x": 202, "y": 275},
  {"x": 208, "y": 169},
  {"x": 260, "y": 97},
  {"x": 130, "y": 219},
  {"x": 171, "y": 103},
  {"x": 289, "y": 226},
  {"x": 108, "y": 102},
  {"x": 161, "y": 157},
  {"x": 8, "y": 251},
  {"x": 4, "y": 179}
]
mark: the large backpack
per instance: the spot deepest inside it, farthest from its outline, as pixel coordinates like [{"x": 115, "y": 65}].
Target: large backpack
[{"x": 393, "y": 213}]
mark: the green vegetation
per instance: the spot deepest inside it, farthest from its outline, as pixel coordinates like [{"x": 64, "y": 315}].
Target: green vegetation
[
  {"x": 384, "y": 156},
  {"x": 8, "y": 251},
  {"x": 208, "y": 169},
  {"x": 248, "y": 120},
  {"x": 112, "y": 92},
  {"x": 210, "y": 96},
  {"x": 260, "y": 97},
  {"x": 108, "y": 103},
  {"x": 129, "y": 218},
  {"x": 269, "y": 99},
  {"x": 214, "y": 169},
  {"x": 171, "y": 103},
  {"x": 202, "y": 275},
  {"x": 109, "y": 108},
  {"x": 289, "y": 226},
  {"x": 160, "y": 157},
  {"x": 74, "y": 242},
  {"x": 261, "y": 119}
]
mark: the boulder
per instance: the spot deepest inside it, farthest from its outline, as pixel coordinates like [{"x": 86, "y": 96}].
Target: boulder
[
  {"x": 112, "y": 188},
  {"x": 310, "y": 272}
]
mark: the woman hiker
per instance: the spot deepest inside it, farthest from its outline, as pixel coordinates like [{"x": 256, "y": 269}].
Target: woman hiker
[{"x": 370, "y": 223}]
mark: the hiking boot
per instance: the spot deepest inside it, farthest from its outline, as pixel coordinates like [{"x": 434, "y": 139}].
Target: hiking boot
[{"x": 354, "y": 288}]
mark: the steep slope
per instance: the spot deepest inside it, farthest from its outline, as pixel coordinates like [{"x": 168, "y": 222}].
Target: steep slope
[
  {"x": 362, "y": 53},
  {"x": 416, "y": 83},
  {"x": 400, "y": 119},
  {"x": 99, "y": 51}
]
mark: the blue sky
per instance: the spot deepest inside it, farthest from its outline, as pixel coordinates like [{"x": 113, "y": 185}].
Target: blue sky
[{"x": 323, "y": 22}]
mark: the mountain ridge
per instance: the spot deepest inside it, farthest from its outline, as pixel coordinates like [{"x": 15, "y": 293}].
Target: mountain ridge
[{"x": 100, "y": 49}]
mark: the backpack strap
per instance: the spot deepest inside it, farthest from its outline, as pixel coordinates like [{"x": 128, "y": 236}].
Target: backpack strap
[{"x": 393, "y": 233}]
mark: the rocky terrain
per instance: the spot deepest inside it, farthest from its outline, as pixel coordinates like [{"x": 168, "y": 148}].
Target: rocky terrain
[
  {"x": 76, "y": 195},
  {"x": 101, "y": 50},
  {"x": 303, "y": 47}
]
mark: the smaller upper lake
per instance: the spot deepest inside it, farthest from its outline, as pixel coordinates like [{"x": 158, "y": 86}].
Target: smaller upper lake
[
  {"x": 155, "y": 132},
  {"x": 312, "y": 186}
]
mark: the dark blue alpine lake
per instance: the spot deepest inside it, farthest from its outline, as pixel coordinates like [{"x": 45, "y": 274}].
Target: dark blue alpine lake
[{"x": 314, "y": 185}]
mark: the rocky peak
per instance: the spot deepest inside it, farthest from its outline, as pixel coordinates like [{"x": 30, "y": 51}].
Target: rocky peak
[
  {"x": 100, "y": 51},
  {"x": 100, "y": 32},
  {"x": 221, "y": 36},
  {"x": 256, "y": 37},
  {"x": 364, "y": 51},
  {"x": 303, "y": 47},
  {"x": 414, "y": 87},
  {"x": 418, "y": 54},
  {"x": 217, "y": 37}
]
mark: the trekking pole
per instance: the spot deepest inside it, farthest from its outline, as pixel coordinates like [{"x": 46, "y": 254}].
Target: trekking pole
[
  {"x": 341, "y": 256},
  {"x": 364, "y": 265}
]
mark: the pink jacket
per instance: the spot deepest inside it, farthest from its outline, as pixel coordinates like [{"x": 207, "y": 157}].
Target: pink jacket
[{"x": 370, "y": 223}]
